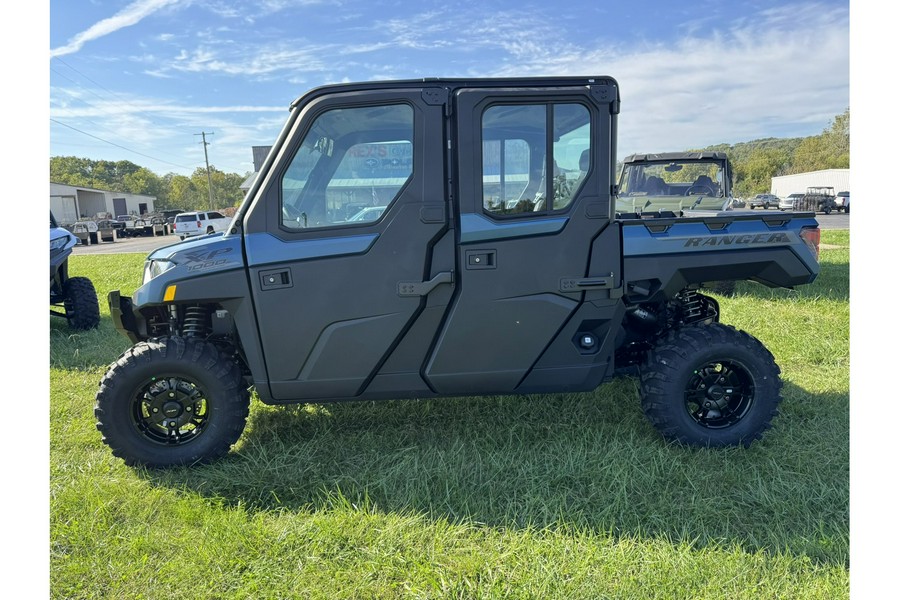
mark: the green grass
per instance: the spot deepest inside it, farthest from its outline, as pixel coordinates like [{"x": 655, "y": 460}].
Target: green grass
[{"x": 543, "y": 496}]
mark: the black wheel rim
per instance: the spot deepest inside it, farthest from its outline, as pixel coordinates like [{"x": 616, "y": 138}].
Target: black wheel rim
[
  {"x": 171, "y": 411},
  {"x": 719, "y": 394}
]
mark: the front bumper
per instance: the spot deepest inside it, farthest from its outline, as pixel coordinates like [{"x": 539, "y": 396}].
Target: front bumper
[{"x": 122, "y": 312}]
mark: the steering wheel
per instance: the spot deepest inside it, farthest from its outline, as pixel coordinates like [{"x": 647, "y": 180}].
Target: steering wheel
[{"x": 699, "y": 190}]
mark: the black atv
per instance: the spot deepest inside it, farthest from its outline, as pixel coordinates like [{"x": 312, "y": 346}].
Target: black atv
[{"x": 75, "y": 295}]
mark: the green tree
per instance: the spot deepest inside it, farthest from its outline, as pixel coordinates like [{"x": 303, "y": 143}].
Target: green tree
[
  {"x": 181, "y": 192},
  {"x": 143, "y": 181},
  {"x": 829, "y": 150},
  {"x": 753, "y": 175},
  {"x": 71, "y": 170},
  {"x": 171, "y": 190},
  {"x": 226, "y": 187}
]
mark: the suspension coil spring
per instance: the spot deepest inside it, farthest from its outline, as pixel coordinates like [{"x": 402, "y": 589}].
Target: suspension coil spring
[
  {"x": 196, "y": 322},
  {"x": 691, "y": 306}
]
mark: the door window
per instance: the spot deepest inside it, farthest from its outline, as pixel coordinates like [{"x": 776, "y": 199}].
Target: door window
[
  {"x": 523, "y": 165},
  {"x": 351, "y": 165}
]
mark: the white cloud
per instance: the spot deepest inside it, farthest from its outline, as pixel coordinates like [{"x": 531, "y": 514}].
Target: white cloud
[
  {"x": 781, "y": 72},
  {"x": 254, "y": 62},
  {"x": 134, "y": 107},
  {"x": 130, "y": 15},
  {"x": 789, "y": 68}
]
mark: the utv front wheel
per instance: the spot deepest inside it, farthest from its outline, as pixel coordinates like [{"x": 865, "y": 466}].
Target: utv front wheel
[
  {"x": 82, "y": 307},
  {"x": 710, "y": 385},
  {"x": 172, "y": 401}
]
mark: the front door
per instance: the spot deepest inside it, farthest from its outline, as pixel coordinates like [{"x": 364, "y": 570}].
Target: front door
[{"x": 349, "y": 248}]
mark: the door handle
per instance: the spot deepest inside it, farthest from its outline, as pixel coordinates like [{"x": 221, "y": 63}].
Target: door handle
[
  {"x": 275, "y": 279},
  {"x": 583, "y": 284},
  {"x": 423, "y": 288},
  {"x": 481, "y": 259}
]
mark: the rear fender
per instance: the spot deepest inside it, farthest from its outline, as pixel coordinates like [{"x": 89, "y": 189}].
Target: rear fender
[{"x": 663, "y": 256}]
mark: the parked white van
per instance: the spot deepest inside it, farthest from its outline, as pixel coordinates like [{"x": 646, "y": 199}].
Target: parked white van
[{"x": 199, "y": 223}]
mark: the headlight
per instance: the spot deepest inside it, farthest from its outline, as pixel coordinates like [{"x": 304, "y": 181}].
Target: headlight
[
  {"x": 64, "y": 240},
  {"x": 155, "y": 268}
]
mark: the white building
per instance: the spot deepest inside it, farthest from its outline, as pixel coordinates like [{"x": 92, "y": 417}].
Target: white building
[
  {"x": 70, "y": 203},
  {"x": 786, "y": 185}
]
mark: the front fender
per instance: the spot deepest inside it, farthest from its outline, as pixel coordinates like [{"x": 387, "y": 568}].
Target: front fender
[{"x": 193, "y": 262}]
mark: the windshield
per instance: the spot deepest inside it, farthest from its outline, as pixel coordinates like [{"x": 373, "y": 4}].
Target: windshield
[{"x": 672, "y": 185}]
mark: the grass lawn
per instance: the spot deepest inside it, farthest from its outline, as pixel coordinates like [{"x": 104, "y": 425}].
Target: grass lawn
[{"x": 542, "y": 496}]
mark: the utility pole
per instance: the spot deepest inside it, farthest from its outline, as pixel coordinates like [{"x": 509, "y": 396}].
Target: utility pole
[{"x": 208, "y": 176}]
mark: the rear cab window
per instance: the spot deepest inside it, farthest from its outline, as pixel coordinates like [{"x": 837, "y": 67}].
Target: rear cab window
[{"x": 535, "y": 157}]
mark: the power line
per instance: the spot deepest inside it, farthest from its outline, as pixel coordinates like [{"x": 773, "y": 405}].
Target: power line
[
  {"x": 86, "y": 77},
  {"x": 113, "y": 95},
  {"x": 119, "y": 146}
]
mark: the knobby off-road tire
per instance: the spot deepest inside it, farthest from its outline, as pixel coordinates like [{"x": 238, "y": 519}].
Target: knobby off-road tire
[
  {"x": 82, "y": 307},
  {"x": 710, "y": 385},
  {"x": 171, "y": 401}
]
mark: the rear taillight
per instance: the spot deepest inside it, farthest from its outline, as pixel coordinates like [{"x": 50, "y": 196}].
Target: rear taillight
[
  {"x": 173, "y": 227},
  {"x": 811, "y": 235}
]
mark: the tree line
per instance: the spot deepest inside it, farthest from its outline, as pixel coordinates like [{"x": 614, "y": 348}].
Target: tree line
[
  {"x": 754, "y": 164},
  {"x": 171, "y": 191}
]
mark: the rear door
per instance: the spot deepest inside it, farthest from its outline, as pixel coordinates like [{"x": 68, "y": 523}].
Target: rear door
[
  {"x": 534, "y": 211},
  {"x": 349, "y": 250}
]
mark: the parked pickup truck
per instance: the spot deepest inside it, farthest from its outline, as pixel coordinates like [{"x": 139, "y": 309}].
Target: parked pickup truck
[
  {"x": 764, "y": 201},
  {"x": 199, "y": 223},
  {"x": 145, "y": 225},
  {"x": 499, "y": 265}
]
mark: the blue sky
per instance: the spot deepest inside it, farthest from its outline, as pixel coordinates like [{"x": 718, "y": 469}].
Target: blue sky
[{"x": 138, "y": 79}]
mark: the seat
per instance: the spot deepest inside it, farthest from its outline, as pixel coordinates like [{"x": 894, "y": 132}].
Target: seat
[
  {"x": 655, "y": 186},
  {"x": 564, "y": 190},
  {"x": 703, "y": 185},
  {"x": 584, "y": 165}
]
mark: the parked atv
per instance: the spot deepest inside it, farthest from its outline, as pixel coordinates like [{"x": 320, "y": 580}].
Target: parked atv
[{"x": 75, "y": 295}]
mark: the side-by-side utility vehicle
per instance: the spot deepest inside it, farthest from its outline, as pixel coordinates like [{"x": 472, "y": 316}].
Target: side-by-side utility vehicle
[
  {"x": 675, "y": 181},
  {"x": 76, "y": 296},
  {"x": 499, "y": 264}
]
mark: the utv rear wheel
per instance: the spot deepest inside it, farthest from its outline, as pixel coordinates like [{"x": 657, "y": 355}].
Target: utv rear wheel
[
  {"x": 710, "y": 385},
  {"x": 172, "y": 401},
  {"x": 82, "y": 307}
]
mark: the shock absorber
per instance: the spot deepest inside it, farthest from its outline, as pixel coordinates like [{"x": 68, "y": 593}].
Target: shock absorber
[
  {"x": 196, "y": 322},
  {"x": 691, "y": 306}
]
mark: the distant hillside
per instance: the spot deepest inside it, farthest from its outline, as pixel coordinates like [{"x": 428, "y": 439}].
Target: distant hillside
[
  {"x": 742, "y": 150},
  {"x": 757, "y": 161}
]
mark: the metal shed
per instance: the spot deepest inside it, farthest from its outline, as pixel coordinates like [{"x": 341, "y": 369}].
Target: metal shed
[
  {"x": 786, "y": 185},
  {"x": 71, "y": 203}
]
